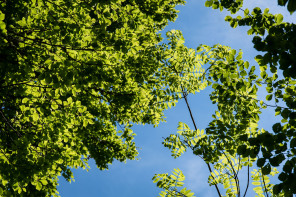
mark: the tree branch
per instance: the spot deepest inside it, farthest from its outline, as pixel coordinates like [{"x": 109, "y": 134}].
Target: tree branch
[
  {"x": 248, "y": 179},
  {"x": 264, "y": 183}
]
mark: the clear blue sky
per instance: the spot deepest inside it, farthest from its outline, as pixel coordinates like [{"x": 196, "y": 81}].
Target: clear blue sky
[{"x": 200, "y": 25}]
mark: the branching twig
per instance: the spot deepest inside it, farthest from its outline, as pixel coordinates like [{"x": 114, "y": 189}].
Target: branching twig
[
  {"x": 235, "y": 174},
  {"x": 192, "y": 118},
  {"x": 195, "y": 127}
]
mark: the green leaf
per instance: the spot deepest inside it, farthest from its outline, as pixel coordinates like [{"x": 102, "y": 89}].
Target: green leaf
[
  {"x": 3, "y": 26},
  {"x": 48, "y": 79},
  {"x": 266, "y": 169},
  {"x": 261, "y": 162},
  {"x": 258, "y": 190},
  {"x": 263, "y": 74},
  {"x": 269, "y": 97},
  {"x": 2, "y": 16},
  {"x": 276, "y": 189},
  {"x": 2, "y": 23},
  {"x": 25, "y": 100},
  {"x": 44, "y": 182},
  {"x": 285, "y": 113},
  {"x": 283, "y": 176},
  {"x": 38, "y": 186},
  {"x": 277, "y": 127},
  {"x": 246, "y": 65},
  {"x": 279, "y": 18},
  {"x": 269, "y": 89},
  {"x": 208, "y": 3},
  {"x": 69, "y": 100},
  {"x": 35, "y": 117},
  {"x": 291, "y": 6},
  {"x": 282, "y": 2},
  {"x": 54, "y": 106},
  {"x": 256, "y": 183},
  {"x": 243, "y": 73},
  {"x": 288, "y": 166},
  {"x": 293, "y": 143},
  {"x": 241, "y": 149}
]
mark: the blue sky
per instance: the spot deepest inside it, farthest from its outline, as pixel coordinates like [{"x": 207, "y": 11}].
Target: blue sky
[{"x": 200, "y": 25}]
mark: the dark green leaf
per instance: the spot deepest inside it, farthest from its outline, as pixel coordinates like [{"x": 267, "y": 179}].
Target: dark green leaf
[
  {"x": 277, "y": 127},
  {"x": 261, "y": 162},
  {"x": 266, "y": 169}
]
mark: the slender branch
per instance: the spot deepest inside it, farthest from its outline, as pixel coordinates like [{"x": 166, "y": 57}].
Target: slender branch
[
  {"x": 246, "y": 96},
  {"x": 16, "y": 84},
  {"x": 245, "y": 12},
  {"x": 248, "y": 180},
  {"x": 264, "y": 184},
  {"x": 239, "y": 164},
  {"x": 41, "y": 41},
  {"x": 189, "y": 109},
  {"x": 192, "y": 118},
  {"x": 193, "y": 121}
]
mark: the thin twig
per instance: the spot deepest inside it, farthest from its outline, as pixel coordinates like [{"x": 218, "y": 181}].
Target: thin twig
[
  {"x": 193, "y": 121},
  {"x": 264, "y": 183},
  {"x": 248, "y": 180}
]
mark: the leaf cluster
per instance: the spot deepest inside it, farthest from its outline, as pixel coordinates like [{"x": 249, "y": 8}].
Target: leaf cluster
[{"x": 171, "y": 184}]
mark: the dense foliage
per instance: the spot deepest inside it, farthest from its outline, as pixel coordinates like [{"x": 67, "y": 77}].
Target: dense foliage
[
  {"x": 232, "y": 141},
  {"x": 75, "y": 75}
]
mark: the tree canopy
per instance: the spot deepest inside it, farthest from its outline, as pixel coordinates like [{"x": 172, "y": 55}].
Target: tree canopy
[{"x": 74, "y": 77}]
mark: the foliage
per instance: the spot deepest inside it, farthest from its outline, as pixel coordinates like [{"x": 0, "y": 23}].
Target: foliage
[
  {"x": 235, "y": 5},
  {"x": 277, "y": 70},
  {"x": 232, "y": 141},
  {"x": 75, "y": 76},
  {"x": 170, "y": 183}
]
